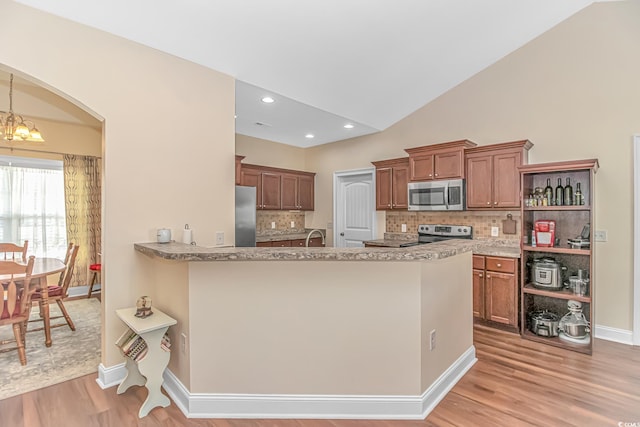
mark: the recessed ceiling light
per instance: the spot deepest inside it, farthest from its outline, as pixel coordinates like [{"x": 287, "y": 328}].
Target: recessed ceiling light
[
  {"x": 309, "y": 135},
  {"x": 268, "y": 100},
  {"x": 348, "y": 126}
]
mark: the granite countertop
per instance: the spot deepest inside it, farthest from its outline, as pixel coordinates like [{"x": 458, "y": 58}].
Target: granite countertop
[
  {"x": 182, "y": 252},
  {"x": 491, "y": 247}
]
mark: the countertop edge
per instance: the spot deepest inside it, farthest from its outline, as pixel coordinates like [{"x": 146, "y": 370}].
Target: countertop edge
[{"x": 181, "y": 252}]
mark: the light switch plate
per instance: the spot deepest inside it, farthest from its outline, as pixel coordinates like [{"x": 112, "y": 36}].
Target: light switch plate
[
  {"x": 404, "y": 228},
  {"x": 293, "y": 224},
  {"x": 495, "y": 231},
  {"x": 273, "y": 224},
  {"x": 601, "y": 235},
  {"x": 219, "y": 237}
]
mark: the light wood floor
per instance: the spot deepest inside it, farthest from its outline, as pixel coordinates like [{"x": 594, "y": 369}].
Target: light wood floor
[{"x": 514, "y": 383}]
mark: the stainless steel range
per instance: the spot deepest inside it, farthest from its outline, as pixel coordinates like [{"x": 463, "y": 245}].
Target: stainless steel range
[{"x": 431, "y": 233}]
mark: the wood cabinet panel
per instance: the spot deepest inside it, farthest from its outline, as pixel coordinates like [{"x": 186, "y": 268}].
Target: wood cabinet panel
[
  {"x": 263, "y": 244},
  {"x": 280, "y": 189},
  {"x": 289, "y": 191},
  {"x": 392, "y": 177},
  {"x": 306, "y": 192},
  {"x": 479, "y": 180},
  {"x": 271, "y": 191},
  {"x": 478, "y": 293},
  {"x": 495, "y": 289},
  {"x": 438, "y": 161},
  {"x": 448, "y": 165},
  {"x": 501, "y": 298},
  {"x": 493, "y": 178}
]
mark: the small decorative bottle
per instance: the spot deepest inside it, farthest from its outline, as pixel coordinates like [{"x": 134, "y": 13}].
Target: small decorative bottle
[
  {"x": 548, "y": 193},
  {"x": 568, "y": 193},
  {"x": 578, "y": 197},
  {"x": 559, "y": 193}
]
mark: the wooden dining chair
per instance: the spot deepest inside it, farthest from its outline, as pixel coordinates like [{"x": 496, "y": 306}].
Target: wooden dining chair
[
  {"x": 60, "y": 291},
  {"x": 8, "y": 251},
  {"x": 16, "y": 304}
]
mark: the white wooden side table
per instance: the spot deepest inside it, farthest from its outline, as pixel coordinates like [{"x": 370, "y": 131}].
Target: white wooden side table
[{"x": 148, "y": 370}]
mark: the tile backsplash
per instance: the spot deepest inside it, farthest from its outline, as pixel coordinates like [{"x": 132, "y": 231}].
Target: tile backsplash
[
  {"x": 282, "y": 220},
  {"x": 481, "y": 221}
]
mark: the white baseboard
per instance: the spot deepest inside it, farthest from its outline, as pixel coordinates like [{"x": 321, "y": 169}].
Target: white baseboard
[
  {"x": 207, "y": 405},
  {"x": 81, "y": 291},
  {"x": 614, "y": 334},
  {"x": 111, "y": 376}
]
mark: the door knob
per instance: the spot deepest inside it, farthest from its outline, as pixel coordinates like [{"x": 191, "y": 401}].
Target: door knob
[{"x": 342, "y": 234}]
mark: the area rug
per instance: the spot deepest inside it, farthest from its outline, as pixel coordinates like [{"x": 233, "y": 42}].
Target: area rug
[{"x": 72, "y": 355}]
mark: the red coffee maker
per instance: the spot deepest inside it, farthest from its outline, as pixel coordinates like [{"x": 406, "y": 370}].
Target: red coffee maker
[{"x": 545, "y": 230}]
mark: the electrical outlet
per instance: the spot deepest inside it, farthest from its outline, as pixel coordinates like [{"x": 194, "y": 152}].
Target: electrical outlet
[
  {"x": 219, "y": 237},
  {"x": 495, "y": 231},
  {"x": 273, "y": 224},
  {"x": 600, "y": 235},
  {"x": 432, "y": 340},
  {"x": 183, "y": 343},
  {"x": 293, "y": 224},
  {"x": 404, "y": 228}
]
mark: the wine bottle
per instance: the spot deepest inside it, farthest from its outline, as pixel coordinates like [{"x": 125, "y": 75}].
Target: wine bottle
[
  {"x": 548, "y": 193},
  {"x": 559, "y": 193},
  {"x": 568, "y": 193},
  {"x": 578, "y": 197}
]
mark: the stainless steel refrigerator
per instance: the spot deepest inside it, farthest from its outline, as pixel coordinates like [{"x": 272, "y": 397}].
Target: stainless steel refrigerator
[{"x": 245, "y": 216}]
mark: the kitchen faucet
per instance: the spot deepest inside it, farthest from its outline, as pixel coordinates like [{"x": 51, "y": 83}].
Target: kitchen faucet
[{"x": 306, "y": 243}]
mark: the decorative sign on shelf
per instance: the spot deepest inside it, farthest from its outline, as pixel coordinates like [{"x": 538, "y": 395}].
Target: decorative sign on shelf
[{"x": 143, "y": 307}]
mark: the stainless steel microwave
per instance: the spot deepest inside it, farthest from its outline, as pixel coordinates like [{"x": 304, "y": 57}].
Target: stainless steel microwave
[{"x": 440, "y": 195}]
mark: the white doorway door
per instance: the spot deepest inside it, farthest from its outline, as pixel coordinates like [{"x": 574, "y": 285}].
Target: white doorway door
[{"x": 354, "y": 201}]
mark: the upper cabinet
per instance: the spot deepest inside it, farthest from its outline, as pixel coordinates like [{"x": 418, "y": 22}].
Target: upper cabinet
[
  {"x": 279, "y": 189},
  {"x": 438, "y": 161},
  {"x": 297, "y": 191},
  {"x": 239, "y": 169},
  {"x": 493, "y": 179},
  {"x": 392, "y": 177}
]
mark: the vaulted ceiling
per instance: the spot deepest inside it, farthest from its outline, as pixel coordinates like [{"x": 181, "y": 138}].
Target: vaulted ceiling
[{"x": 326, "y": 63}]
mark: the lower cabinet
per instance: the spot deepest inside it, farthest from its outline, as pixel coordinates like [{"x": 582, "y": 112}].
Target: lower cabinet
[
  {"x": 296, "y": 243},
  {"x": 495, "y": 290}
]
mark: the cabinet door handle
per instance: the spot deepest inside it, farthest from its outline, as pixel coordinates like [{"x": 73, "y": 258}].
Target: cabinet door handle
[
  {"x": 430, "y": 175},
  {"x": 495, "y": 203},
  {"x": 436, "y": 174},
  {"x": 498, "y": 265},
  {"x": 488, "y": 277},
  {"x": 488, "y": 203},
  {"x": 481, "y": 275}
]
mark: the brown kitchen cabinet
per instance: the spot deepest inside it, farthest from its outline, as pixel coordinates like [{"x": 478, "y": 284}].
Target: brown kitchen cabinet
[
  {"x": 493, "y": 178},
  {"x": 495, "y": 290},
  {"x": 392, "y": 177},
  {"x": 298, "y": 191},
  {"x": 438, "y": 161},
  {"x": 279, "y": 189},
  {"x": 239, "y": 169},
  {"x": 295, "y": 243},
  {"x": 267, "y": 185},
  {"x": 570, "y": 220}
]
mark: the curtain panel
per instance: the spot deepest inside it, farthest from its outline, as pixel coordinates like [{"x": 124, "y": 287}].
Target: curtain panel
[{"x": 83, "y": 202}]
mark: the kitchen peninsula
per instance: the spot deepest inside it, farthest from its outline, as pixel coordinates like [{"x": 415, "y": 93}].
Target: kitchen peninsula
[{"x": 314, "y": 332}]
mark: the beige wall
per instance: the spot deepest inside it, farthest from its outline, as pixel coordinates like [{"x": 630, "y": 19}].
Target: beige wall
[
  {"x": 327, "y": 327},
  {"x": 269, "y": 153},
  {"x": 574, "y": 93},
  {"x": 154, "y": 174}
]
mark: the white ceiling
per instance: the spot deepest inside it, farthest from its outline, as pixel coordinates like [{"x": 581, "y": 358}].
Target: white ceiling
[{"x": 329, "y": 62}]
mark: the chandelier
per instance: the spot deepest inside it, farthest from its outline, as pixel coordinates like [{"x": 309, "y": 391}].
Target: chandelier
[{"x": 14, "y": 126}]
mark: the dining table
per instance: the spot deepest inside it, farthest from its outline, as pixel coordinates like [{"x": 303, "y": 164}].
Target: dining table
[{"x": 42, "y": 268}]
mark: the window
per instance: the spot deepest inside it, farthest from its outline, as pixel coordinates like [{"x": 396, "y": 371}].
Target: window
[{"x": 32, "y": 205}]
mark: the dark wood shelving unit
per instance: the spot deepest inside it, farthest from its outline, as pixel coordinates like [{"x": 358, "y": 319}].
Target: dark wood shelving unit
[{"x": 569, "y": 221}]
